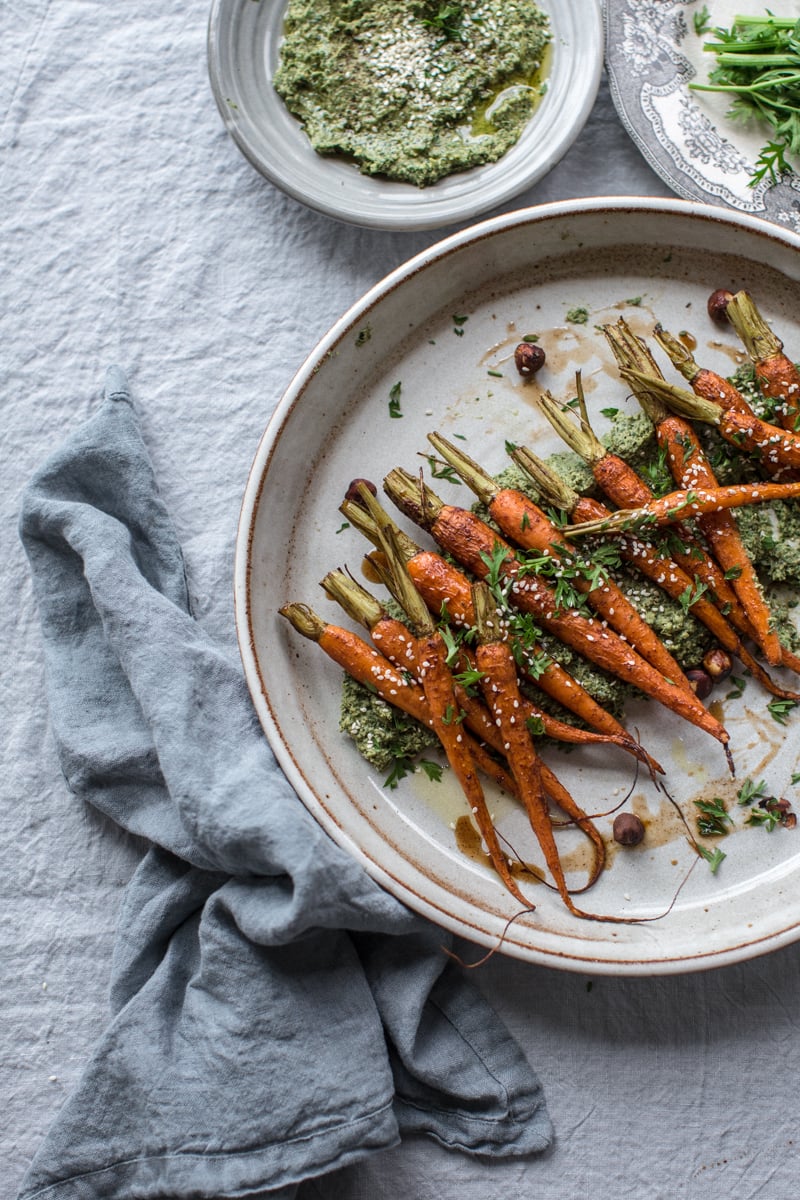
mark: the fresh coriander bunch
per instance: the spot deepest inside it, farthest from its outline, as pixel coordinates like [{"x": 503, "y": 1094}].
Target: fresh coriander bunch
[{"x": 758, "y": 63}]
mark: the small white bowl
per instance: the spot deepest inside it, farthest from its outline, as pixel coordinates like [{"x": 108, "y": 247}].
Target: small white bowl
[{"x": 243, "y": 45}]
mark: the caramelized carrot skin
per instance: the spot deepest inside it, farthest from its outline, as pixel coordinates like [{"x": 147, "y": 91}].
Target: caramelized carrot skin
[
  {"x": 470, "y": 541},
  {"x": 501, "y": 692},
  {"x": 622, "y": 485},
  {"x": 398, "y": 644},
  {"x": 446, "y": 721},
  {"x": 689, "y": 467},
  {"x": 523, "y": 521},
  {"x": 440, "y": 584},
  {"x": 711, "y": 386},
  {"x": 779, "y": 379},
  {"x": 777, "y": 446}
]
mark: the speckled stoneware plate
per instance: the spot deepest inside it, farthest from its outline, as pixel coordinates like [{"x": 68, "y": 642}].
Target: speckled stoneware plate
[
  {"x": 652, "y": 54},
  {"x": 511, "y": 276},
  {"x": 243, "y": 46}
]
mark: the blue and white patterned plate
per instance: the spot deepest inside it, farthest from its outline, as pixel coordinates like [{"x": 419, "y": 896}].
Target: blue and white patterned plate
[{"x": 652, "y": 54}]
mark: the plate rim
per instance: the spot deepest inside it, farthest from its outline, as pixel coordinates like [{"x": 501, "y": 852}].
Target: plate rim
[{"x": 350, "y": 319}]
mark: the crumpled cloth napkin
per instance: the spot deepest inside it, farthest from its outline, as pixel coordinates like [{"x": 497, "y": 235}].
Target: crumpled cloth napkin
[{"x": 274, "y": 1013}]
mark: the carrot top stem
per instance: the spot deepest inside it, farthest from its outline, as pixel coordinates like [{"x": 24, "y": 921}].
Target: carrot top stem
[
  {"x": 677, "y": 398},
  {"x": 353, "y": 598},
  {"x": 362, "y": 520},
  {"x": 552, "y": 487},
  {"x": 304, "y": 620},
  {"x": 677, "y": 353},
  {"x": 758, "y": 339},
  {"x": 412, "y": 497},
  {"x": 576, "y": 432},
  {"x": 397, "y": 578},
  {"x": 630, "y": 351},
  {"x": 476, "y": 479}
]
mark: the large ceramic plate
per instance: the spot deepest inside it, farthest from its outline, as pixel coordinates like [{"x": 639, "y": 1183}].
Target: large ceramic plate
[
  {"x": 509, "y": 277},
  {"x": 243, "y": 46},
  {"x": 652, "y": 54}
]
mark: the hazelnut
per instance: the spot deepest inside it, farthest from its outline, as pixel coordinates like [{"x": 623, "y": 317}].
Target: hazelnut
[
  {"x": 718, "y": 305},
  {"x": 718, "y": 663},
  {"x": 528, "y": 358},
  {"x": 701, "y": 682},
  {"x": 354, "y": 495},
  {"x": 628, "y": 829}
]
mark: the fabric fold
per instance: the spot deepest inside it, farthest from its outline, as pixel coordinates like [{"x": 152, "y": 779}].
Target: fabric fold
[{"x": 274, "y": 1013}]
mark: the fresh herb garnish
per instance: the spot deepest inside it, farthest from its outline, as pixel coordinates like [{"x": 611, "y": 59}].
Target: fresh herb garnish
[
  {"x": 750, "y": 791},
  {"x": 758, "y": 65},
  {"x": 394, "y": 401},
  {"x": 440, "y": 470},
  {"x": 458, "y": 324},
  {"x": 737, "y": 689},
  {"x": 779, "y": 709},
  {"x": 702, "y": 21},
  {"x": 400, "y": 769},
  {"x": 446, "y": 19},
  {"x": 713, "y": 820},
  {"x": 432, "y": 770},
  {"x": 712, "y": 857}
]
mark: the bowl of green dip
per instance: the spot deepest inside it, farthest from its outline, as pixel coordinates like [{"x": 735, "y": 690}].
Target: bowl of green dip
[{"x": 404, "y": 114}]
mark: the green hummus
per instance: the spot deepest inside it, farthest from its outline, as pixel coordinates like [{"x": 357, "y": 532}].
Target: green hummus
[{"x": 412, "y": 90}]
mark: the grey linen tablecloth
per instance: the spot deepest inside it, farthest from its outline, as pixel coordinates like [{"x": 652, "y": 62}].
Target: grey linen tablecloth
[
  {"x": 275, "y": 1013},
  {"x": 134, "y": 232}
]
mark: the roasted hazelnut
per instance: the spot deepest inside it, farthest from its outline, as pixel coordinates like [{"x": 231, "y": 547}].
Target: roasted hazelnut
[
  {"x": 718, "y": 305},
  {"x": 718, "y": 663},
  {"x": 628, "y": 829},
  {"x": 701, "y": 681},
  {"x": 528, "y": 358},
  {"x": 354, "y": 494}
]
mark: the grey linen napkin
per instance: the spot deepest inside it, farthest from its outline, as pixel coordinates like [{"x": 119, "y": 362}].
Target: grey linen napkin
[{"x": 274, "y": 1013}]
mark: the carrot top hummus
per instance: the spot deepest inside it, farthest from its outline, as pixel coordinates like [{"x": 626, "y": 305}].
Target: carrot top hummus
[{"x": 413, "y": 90}]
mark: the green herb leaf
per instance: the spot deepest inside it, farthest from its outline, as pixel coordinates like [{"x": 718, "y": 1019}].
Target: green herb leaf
[
  {"x": 399, "y": 770},
  {"x": 394, "y": 400},
  {"x": 713, "y": 857},
  {"x": 702, "y": 21},
  {"x": 779, "y": 709},
  {"x": 432, "y": 770}
]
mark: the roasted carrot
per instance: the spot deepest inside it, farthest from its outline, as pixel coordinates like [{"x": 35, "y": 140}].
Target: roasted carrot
[
  {"x": 776, "y": 374},
  {"x": 652, "y": 562},
  {"x": 476, "y": 546},
  {"x": 526, "y": 524},
  {"x": 691, "y": 470},
  {"x": 627, "y": 489},
  {"x": 435, "y": 706},
  {"x": 499, "y": 684},
  {"x": 397, "y": 643},
  {"x": 706, "y": 384},
  {"x": 691, "y": 503},
  {"x": 446, "y": 590},
  {"x": 777, "y": 447}
]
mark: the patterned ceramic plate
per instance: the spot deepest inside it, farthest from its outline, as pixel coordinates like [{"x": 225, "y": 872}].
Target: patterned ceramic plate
[{"x": 652, "y": 54}]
